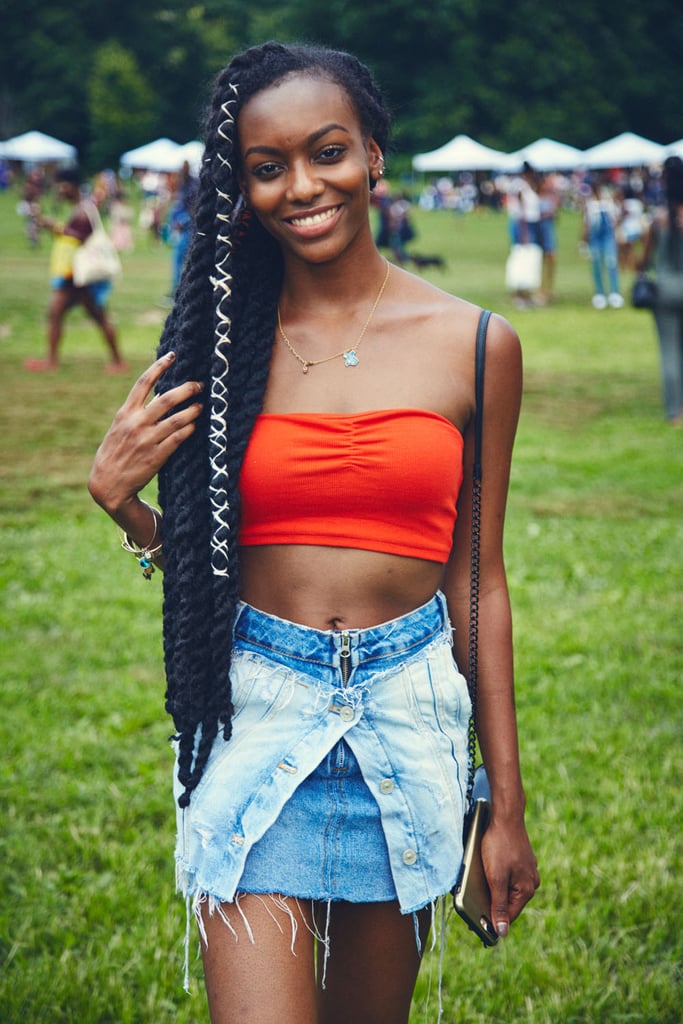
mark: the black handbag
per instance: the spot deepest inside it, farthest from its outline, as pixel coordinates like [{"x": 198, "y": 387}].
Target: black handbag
[
  {"x": 471, "y": 894},
  {"x": 644, "y": 293}
]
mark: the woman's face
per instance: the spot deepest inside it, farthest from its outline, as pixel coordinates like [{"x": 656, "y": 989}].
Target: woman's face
[{"x": 305, "y": 166}]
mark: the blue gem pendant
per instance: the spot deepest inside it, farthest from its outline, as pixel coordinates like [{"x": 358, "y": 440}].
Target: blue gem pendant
[
  {"x": 350, "y": 357},
  {"x": 145, "y": 563}
]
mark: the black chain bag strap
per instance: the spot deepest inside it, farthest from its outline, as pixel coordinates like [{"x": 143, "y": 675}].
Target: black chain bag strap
[{"x": 471, "y": 895}]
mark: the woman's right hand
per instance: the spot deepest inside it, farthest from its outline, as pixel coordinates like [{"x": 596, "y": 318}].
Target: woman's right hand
[{"x": 141, "y": 438}]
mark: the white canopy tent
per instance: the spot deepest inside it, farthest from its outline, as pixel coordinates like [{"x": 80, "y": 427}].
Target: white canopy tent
[
  {"x": 160, "y": 155},
  {"x": 625, "y": 150},
  {"x": 36, "y": 147},
  {"x": 164, "y": 155},
  {"x": 549, "y": 155},
  {"x": 463, "y": 154}
]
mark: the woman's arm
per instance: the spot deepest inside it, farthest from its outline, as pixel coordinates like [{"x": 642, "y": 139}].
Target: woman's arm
[
  {"x": 141, "y": 438},
  {"x": 508, "y": 858}
]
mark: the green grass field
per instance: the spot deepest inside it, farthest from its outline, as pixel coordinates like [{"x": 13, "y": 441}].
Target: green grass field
[{"x": 91, "y": 931}]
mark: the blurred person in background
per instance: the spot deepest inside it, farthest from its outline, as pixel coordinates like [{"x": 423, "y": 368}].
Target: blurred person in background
[
  {"x": 65, "y": 294},
  {"x": 664, "y": 249},
  {"x": 546, "y": 235},
  {"x": 179, "y": 224},
  {"x": 600, "y": 215}
]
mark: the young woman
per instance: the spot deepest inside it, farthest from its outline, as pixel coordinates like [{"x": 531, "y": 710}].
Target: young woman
[
  {"x": 664, "y": 249},
  {"x": 311, "y": 429}
]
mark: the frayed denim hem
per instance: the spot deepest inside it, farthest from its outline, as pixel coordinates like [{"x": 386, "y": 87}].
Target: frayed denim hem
[
  {"x": 194, "y": 906},
  {"x": 439, "y": 915}
]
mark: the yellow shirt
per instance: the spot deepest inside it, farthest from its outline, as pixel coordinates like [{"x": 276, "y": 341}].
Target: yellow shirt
[{"x": 62, "y": 257}]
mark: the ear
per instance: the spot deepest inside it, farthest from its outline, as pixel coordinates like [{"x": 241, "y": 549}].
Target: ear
[{"x": 375, "y": 160}]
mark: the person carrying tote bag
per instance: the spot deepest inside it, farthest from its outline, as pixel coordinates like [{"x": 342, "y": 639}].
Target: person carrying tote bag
[
  {"x": 71, "y": 285},
  {"x": 524, "y": 265}
]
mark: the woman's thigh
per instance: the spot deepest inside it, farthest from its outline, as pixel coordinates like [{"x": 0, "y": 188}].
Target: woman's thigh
[
  {"x": 259, "y": 961},
  {"x": 372, "y": 964},
  {"x": 61, "y": 301},
  {"x": 86, "y": 298}
]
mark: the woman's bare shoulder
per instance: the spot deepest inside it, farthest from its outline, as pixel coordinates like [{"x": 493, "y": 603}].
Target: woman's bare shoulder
[
  {"x": 431, "y": 337},
  {"x": 448, "y": 316}
]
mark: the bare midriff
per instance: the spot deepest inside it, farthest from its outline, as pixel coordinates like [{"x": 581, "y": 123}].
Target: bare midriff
[{"x": 335, "y": 588}]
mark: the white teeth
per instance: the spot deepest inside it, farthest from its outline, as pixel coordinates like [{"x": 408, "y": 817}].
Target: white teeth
[{"x": 314, "y": 218}]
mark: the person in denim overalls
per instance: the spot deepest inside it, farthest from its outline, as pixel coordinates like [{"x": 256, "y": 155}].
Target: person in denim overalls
[
  {"x": 599, "y": 232},
  {"x": 312, "y": 431}
]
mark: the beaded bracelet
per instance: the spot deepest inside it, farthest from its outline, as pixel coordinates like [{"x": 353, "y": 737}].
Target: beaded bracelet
[{"x": 145, "y": 554}]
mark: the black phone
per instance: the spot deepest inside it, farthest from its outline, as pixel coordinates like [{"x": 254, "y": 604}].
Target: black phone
[{"x": 471, "y": 894}]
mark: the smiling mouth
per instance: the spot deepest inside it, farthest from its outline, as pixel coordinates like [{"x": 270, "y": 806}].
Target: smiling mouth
[{"x": 312, "y": 219}]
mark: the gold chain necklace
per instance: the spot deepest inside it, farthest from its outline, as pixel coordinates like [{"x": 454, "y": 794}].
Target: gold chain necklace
[{"x": 349, "y": 354}]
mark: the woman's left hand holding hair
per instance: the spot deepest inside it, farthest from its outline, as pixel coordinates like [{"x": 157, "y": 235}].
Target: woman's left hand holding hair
[{"x": 143, "y": 435}]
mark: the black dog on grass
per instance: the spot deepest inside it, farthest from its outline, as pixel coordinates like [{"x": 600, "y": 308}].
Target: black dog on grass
[{"x": 422, "y": 262}]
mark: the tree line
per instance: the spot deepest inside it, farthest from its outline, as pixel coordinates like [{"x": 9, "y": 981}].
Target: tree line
[{"x": 107, "y": 78}]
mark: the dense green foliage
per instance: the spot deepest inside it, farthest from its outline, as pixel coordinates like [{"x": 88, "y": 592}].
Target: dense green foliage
[
  {"x": 504, "y": 73},
  {"x": 90, "y": 929}
]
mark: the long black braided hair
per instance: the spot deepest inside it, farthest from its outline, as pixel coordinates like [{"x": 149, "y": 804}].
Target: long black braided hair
[{"x": 221, "y": 328}]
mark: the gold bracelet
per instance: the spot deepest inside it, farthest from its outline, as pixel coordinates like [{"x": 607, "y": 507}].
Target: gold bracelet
[{"x": 145, "y": 554}]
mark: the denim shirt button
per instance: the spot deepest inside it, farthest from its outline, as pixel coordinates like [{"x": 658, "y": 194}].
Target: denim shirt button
[
  {"x": 387, "y": 786},
  {"x": 346, "y": 714},
  {"x": 409, "y": 857}
]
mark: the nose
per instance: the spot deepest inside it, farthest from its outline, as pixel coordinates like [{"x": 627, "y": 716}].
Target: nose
[{"x": 303, "y": 183}]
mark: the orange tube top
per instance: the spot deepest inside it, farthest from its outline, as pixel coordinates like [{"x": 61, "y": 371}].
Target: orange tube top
[{"x": 386, "y": 480}]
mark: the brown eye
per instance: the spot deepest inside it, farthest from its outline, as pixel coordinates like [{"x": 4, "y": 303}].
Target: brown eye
[
  {"x": 267, "y": 170},
  {"x": 331, "y": 153}
]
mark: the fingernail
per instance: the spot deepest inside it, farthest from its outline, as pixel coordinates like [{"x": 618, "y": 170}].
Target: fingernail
[
  {"x": 170, "y": 356},
  {"x": 502, "y": 927}
]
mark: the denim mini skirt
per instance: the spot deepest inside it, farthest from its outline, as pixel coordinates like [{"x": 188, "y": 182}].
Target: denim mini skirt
[{"x": 345, "y": 775}]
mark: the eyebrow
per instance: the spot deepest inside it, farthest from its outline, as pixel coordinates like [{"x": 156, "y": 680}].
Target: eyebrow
[{"x": 313, "y": 137}]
